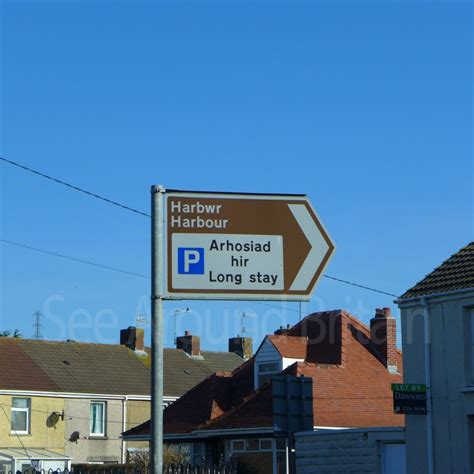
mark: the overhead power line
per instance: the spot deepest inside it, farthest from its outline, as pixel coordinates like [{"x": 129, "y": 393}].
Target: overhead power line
[
  {"x": 360, "y": 286},
  {"x": 120, "y": 270},
  {"x": 74, "y": 259},
  {"x": 128, "y": 208},
  {"x": 76, "y": 188}
]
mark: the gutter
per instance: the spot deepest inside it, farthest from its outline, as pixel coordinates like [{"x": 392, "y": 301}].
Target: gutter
[
  {"x": 33, "y": 393},
  {"x": 200, "y": 434},
  {"x": 124, "y": 428},
  {"x": 372, "y": 429},
  {"x": 429, "y": 405},
  {"x": 241, "y": 431},
  {"x": 420, "y": 298}
]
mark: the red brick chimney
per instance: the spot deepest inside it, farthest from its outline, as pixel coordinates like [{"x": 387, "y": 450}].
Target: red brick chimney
[
  {"x": 189, "y": 344},
  {"x": 241, "y": 346},
  {"x": 383, "y": 334},
  {"x": 140, "y": 340},
  {"x": 133, "y": 338}
]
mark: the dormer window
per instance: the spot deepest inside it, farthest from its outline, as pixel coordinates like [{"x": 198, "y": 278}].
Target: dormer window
[{"x": 266, "y": 370}]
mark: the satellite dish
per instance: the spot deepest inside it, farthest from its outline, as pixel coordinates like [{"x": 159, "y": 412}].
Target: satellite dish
[
  {"x": 74, "y": 436},
  {"x": 53, "y": 419}
]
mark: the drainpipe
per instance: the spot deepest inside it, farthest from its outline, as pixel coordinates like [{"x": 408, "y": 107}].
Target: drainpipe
[
  {"x": 429, "y": 405},
  {"x": 124, "y": 428}
]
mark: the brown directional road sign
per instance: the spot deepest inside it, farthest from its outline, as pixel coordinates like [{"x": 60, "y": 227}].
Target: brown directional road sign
[{"x": 237, "y": 246}]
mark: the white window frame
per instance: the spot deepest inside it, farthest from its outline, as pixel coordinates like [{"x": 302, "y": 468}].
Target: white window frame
[
  {"x": 103, "y": 432},
  {"x": 198, "y": 450},
  {"x": 277, "y": 364},
  {"x": 246, "y": 450},
  {"x": 26, "y": 410},
  {"x": 230, "y": 451}
]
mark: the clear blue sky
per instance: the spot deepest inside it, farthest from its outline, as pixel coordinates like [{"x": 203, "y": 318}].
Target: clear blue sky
[{"x": 364, "y": 106}]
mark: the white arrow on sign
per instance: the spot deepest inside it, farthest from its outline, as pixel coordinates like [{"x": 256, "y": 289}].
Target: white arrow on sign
[{"x": 319, "y": 247}]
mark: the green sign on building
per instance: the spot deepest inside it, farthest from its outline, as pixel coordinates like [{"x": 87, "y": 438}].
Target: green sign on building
[
  {"x": 409, "y": 399},
  {"x": 408, "y": 387}
]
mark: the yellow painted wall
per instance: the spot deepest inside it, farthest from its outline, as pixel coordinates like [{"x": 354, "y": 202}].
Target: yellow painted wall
[
  {"x": 137, "y": 412},
  {"x": 41, "y": 435}
]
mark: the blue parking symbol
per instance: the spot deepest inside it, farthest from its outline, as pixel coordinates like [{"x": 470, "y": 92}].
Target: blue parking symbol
[{"x": 190, "y": 260}]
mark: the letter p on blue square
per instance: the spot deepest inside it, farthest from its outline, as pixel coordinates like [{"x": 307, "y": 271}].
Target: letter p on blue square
[{"x": 190, "y": 260}]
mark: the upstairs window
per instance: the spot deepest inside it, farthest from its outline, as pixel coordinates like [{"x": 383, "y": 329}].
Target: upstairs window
[
  {"x": 469, "y": 346},
  {"x": 266, "y": 370},
  {"x": 97, "y": 419},
  {"x": 470, "y": 349},
  {"x": 20, "y": 419}
]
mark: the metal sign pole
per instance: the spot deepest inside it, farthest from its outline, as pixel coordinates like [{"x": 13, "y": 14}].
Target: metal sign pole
[{"x": 157, "y": 271}]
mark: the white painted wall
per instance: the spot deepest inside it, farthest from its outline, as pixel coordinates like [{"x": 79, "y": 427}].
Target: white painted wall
[
  {"x": 369, "y": 451},
  {"x": 286, "y": 362},
  {"x": 269, "y": 353},
  {"x": 451, "y": 383},
  {"x": 266, "y": 353}
]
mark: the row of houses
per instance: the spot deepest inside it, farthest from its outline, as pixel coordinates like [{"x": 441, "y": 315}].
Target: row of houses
[{"x": 69, "y": 402}]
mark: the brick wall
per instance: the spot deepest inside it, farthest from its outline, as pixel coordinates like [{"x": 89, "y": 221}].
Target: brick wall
[
  {"x": 338, "y": 451},
  {"x": 357, "y": 392}
]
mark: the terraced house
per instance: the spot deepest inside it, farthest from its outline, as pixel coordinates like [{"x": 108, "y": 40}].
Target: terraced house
[{"x": 63, "y": 403}]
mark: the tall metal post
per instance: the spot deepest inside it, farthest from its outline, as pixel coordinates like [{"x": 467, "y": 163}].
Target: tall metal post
[{"x": 157, "y": 271}]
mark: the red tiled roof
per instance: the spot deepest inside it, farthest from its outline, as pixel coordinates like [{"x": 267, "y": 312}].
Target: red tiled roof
[
  {"x": 293, "y": 347},
  {"x": 351, "y": 384},
  {"x": 140, "y": 430},
  {"x": 255, "y": 411},
  {"x": 209, "y": 399}
]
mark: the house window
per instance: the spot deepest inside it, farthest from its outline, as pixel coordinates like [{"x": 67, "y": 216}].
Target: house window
[
  {"x": 469, "y": 345},
  {"x": 471, "y": 321},
  {"x": 97, "y": 419},
  {"x": 266, "y": 370},
  {"x": 265, "y": 445},
  {"x": 251, "y": 445},
  {"x": 199, "y": 454},
  {"x": 238, "y": 445},
  {"x": 20, "y": 420},
  {"x": 184, "y": 450}
]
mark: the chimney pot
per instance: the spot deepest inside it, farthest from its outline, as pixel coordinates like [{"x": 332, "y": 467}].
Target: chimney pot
[
  {"x": 189, "y": 344},
  {"x": 387, "y": 312}
]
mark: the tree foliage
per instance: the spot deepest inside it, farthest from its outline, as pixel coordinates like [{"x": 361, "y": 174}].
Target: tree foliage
[{"x": 15, "y": 334}]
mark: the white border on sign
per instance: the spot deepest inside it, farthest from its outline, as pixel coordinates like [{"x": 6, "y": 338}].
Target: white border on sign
[{"x": 281, "y": 297}]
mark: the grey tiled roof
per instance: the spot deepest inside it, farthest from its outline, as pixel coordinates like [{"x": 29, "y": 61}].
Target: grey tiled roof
[
  {"x": 456, "y": 273},
  {"x": 88, "y": 368},
  {"x": 110, "y": 369},
  {"x": 227, "y": 361}
]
